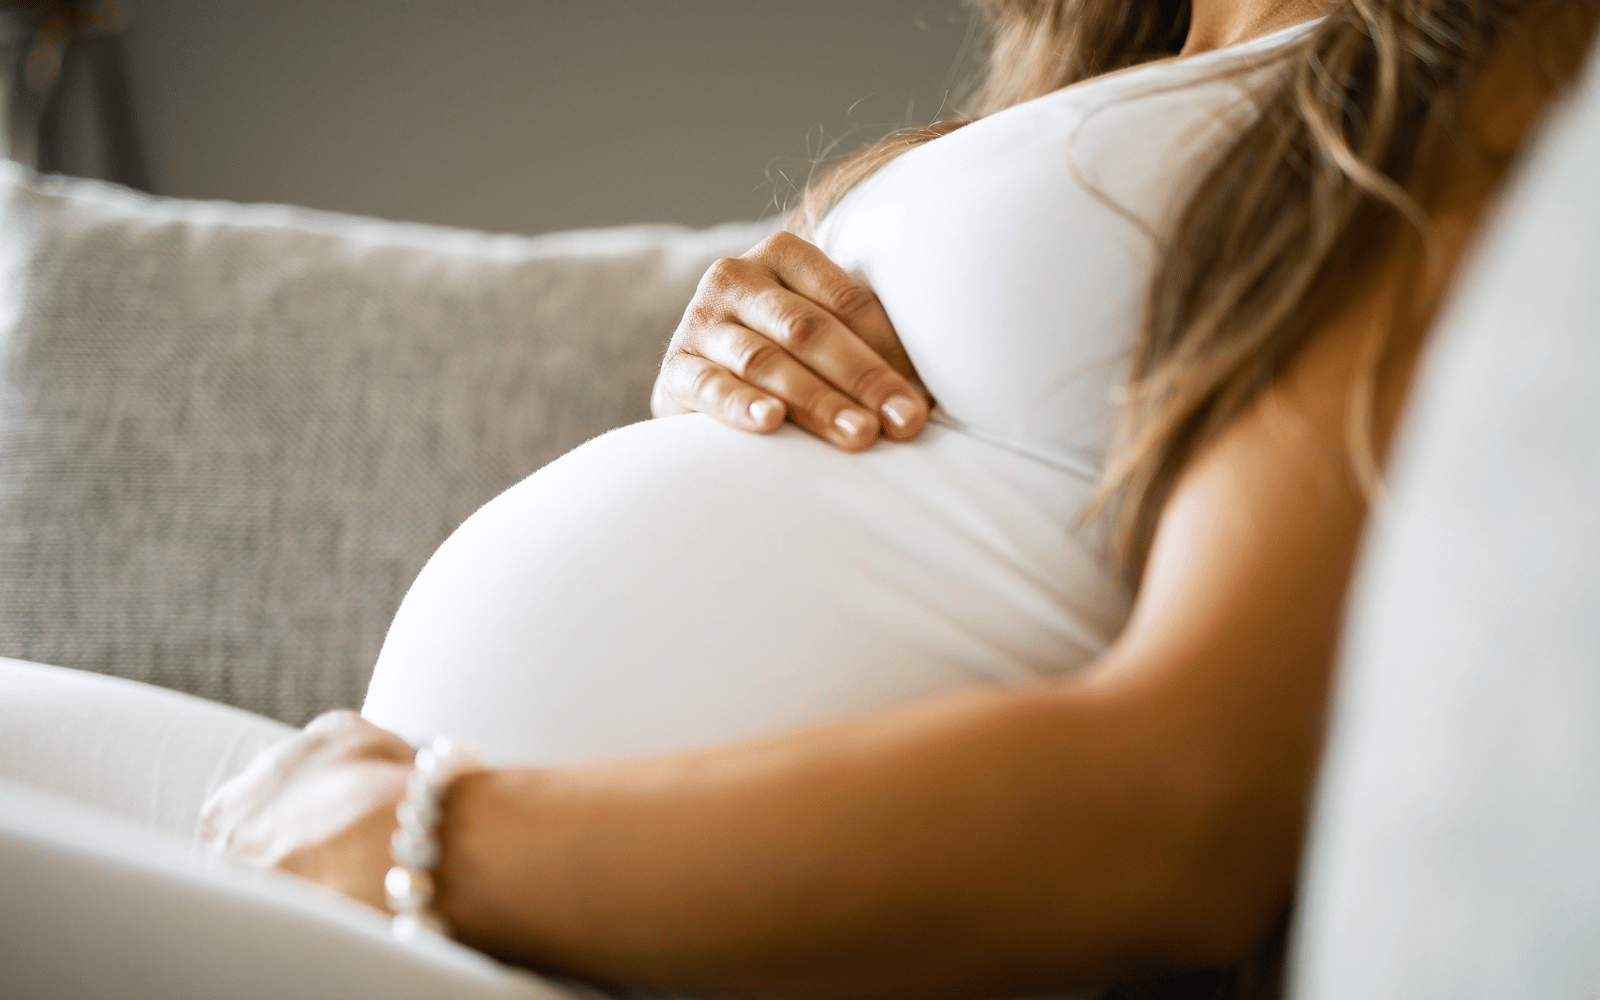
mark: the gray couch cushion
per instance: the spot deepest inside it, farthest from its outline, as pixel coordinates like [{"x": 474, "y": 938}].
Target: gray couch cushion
[
  {"x": 1457, "y": 842},
  {"x": 231, "y": 435}
]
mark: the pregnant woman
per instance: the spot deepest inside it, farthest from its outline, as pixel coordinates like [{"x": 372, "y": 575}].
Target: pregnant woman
[{"x": 1030, "y": 693}]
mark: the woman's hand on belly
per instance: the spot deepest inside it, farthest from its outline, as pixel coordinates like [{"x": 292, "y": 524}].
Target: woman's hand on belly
[{"x": 783, "y": 329}]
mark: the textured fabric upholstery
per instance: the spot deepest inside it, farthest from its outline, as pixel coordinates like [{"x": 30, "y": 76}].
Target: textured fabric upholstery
[
  {"x": 231, "y": 435},
  {"x": 1456, "y": 848}
]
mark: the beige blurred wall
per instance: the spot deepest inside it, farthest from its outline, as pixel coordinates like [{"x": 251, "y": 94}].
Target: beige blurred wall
[{"x": 530, "y": 115}]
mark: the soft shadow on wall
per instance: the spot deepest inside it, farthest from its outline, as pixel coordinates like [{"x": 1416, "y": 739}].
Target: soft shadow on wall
[{"x": 526, "y": 115}]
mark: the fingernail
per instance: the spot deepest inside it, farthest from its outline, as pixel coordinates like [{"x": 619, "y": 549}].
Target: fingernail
[
  {"x": 899, "y": 410},
  {"x": 850, "y": 423},
  {"x": 761, "y": 410}
]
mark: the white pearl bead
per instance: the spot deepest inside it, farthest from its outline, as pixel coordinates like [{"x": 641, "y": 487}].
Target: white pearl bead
[
  {"x": 413, "y": 852},
  {"x": 407, "y": 926},
  {"x": 408, "y": 890},
  {"x": 418, "y": 816}
]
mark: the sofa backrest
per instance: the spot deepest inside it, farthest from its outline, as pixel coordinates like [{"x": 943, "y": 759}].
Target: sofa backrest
[
  {"x": 231, "y": 435},
  {"x": 1456, "y": 846}
]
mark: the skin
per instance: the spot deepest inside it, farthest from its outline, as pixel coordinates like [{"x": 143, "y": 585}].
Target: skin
[
  {"x": 986, "y": 843},
  {"x": 782, "y": 332}
]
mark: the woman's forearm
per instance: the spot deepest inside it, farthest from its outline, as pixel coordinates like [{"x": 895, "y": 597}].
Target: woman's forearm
[{"x": 988, "y": 842}]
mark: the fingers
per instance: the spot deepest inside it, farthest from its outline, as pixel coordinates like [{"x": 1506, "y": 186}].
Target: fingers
[
  {"x": 332, "y": 738},
  {"x": 348, "y": 733},
  {"x": 740, "y": 371},
  {"x": 835, "y": 325},
  {"x": 815, "y": 339},
  {"x": 691, "y": 383},
  {"x": 784, "y": 330},
  {"x": 806, "y": 270},
  {"x": 301, "y": 792},
  {"x": 789, "y": 292}
]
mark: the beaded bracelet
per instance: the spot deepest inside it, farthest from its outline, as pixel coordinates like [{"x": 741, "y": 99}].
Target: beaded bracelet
[{"x": 414, "y": 848}]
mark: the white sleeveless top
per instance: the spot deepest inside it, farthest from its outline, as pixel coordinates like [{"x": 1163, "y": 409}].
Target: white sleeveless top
[{"x": 675, "y": 583}]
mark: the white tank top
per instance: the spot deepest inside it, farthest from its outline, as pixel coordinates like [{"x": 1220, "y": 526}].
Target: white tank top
[
  {"x": 675, "y": 583},
  {"x": 1013, "y": 282}
]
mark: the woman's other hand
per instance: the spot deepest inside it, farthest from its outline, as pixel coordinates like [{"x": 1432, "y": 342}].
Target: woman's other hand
[
  {"x": 321, "y": 804},
  {"x": 783, "y": 330}
]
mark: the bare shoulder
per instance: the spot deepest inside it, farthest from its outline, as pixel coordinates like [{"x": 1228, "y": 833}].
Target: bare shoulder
[{"x": 1268, "y": 517}]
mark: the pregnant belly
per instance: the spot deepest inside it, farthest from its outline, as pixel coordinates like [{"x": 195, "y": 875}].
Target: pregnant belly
[{"x": 676, "y": 584}]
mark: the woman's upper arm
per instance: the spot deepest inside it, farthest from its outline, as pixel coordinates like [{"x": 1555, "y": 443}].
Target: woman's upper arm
[
  {"x": 1257, "y": 542},
  {"x": 1231, "y": 645},
  {"x": 1233, "y": 636},
  {"x": 1230, "y": 649}
]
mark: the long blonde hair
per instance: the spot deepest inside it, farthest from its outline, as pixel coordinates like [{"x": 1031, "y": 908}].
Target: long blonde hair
[{"x": 1320, "y": 183}]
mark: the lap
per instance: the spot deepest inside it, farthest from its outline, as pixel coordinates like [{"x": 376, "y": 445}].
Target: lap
[
  {"x": 143, "y": 752},
  {"x": 98, "y": 905},
  {"x": 106, "y": 896}
]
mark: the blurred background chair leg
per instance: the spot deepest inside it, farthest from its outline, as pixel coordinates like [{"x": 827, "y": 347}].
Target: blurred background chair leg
[{"x": 68, "y": 90}]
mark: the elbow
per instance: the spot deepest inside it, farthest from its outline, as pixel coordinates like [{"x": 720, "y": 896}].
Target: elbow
[
  {"x": 1227, "y": 931},
  {"x": 1234, "y": 863}
]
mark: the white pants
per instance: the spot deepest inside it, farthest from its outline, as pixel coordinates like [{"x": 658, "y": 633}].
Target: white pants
[{"x": 102, "y": 889}]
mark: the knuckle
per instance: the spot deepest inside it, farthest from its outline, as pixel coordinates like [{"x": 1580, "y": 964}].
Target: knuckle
[
  {"x": 851, "y": 299},
  {"x": 695, "y": 318},
  {"x": 799, "y": 329},
  {"x": 331, "y": 723},
  {"x": 680, "y": 372},
  {"x": 723, "y": 276},
  {"x": 382, "y": 745},
  {"x": 778, "y": 243},
  {"x": 872, "y": 383},
  {"x": 703, "y": 384},
  {"x": 895, "y": 354},
  {"x": 759, "y": 356},
  {"x": 722, "y": 270},
  {"x": 673, "y": 363},
  {"x": 822, "y": 403}
]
